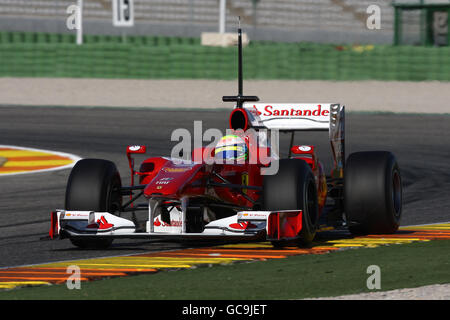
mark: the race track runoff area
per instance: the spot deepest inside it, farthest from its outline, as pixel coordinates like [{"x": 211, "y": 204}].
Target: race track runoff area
[
  {"x": 121, "y": 266},
  {"x": 21, "y": 160}
]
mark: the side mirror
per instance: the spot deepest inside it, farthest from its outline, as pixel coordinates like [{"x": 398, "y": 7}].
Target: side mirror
[
  {"x": 136, "y": 149},
  {"x": 306, "y": 151}
]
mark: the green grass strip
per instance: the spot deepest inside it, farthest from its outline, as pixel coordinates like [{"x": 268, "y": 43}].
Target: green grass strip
[
  {"x": 57, "y": 55},
  {"x": 296, "y": 277}
]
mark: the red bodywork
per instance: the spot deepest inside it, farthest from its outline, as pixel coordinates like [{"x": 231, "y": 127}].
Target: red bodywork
[{"x": 166, "y": 179}]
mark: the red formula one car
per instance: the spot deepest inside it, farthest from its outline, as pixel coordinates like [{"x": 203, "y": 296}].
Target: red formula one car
[{"x": 239, "y": 189}]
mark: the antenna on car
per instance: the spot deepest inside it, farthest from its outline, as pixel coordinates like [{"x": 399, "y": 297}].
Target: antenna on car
[{"x": 240, "y": 98}]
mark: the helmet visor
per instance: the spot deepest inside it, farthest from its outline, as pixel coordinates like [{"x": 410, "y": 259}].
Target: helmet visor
[{"x": 236, "y": 152}]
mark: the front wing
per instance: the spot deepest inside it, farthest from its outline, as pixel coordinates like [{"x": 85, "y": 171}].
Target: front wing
[{"x": 245, "y": 225}]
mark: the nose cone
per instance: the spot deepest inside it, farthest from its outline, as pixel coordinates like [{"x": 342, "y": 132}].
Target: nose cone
[{"x": 171, "y": 180}]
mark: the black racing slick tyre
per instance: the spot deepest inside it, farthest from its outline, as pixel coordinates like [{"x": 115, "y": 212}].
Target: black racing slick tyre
[
  {"x": 293, "y": 188},
  {"x": 372, "y": 193},
  {"x": 94, "y": 185}
]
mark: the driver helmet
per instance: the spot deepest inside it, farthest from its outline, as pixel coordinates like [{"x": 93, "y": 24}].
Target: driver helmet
[{"x": 231, "y": 147}]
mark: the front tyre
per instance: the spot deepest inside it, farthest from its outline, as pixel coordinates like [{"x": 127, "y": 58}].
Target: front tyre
[
  {"x": 372, "y": 193},
  {"x": 293, "y": 188},
  {"x": 94, "y": 185}
]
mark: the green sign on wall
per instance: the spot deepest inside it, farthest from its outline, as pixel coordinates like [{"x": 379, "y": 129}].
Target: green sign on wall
[{"x": 431, "y": 21}]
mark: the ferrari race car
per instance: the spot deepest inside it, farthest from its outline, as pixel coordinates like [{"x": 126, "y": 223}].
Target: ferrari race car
[{"x": 240, "y": 189}]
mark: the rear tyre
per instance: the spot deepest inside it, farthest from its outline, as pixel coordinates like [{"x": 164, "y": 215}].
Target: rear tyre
[
  {"x": 94, "y": 185},
  {"x": 293, "y": 188},
  {"x": 372, "y": 193}
]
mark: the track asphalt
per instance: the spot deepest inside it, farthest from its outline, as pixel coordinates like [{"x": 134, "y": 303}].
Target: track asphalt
[{"x": 420, "y": 142}]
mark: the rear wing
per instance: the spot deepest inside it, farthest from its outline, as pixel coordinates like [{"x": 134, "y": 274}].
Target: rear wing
[
  {"x": 248, "y": 113},
  {"x": 292, "y": 117}
]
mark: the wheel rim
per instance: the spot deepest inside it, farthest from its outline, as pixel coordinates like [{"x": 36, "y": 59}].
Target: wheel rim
[{"x": 397, "y": 193}]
